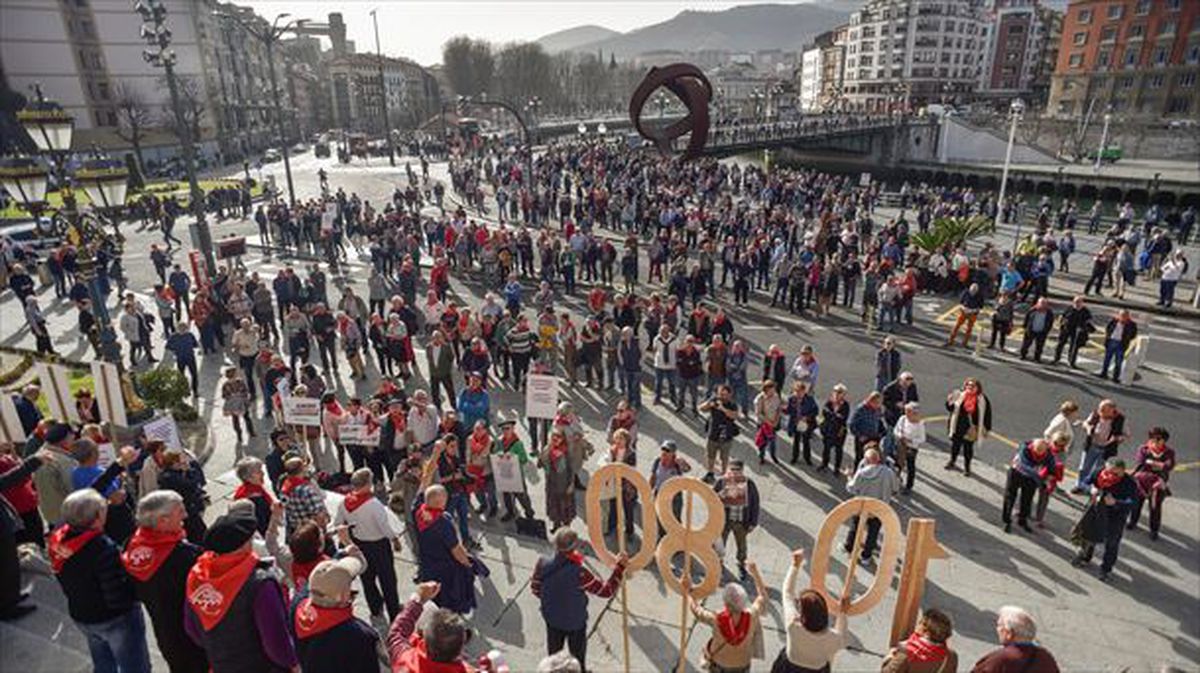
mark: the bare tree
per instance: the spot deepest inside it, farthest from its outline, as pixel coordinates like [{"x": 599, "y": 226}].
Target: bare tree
[
  {"x": 134, "y": 118},
  {"x": 191, "y": 101}
]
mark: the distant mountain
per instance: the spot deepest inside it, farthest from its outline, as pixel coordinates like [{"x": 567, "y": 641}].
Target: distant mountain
[
  {"x": 573, "y": 38},
  {"x": 743, "y": 28}
]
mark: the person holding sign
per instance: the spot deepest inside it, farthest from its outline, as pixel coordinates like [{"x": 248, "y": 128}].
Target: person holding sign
[
  {"x": 479, "y": 468},
  {"x": 510, "y": 444},
  {"x": 811, "y": 643},
  {"x": 560, "y": 480},
  {"x": 737, "y": 628},
  {"x": 562, "y": 584}
]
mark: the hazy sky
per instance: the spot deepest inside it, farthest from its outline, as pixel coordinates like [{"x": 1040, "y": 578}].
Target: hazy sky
[{"x": 417, "y": 29}]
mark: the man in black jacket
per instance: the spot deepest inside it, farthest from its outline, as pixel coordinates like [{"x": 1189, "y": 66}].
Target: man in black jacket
[
  {"x": 158, "y": 559},
  {"x": 100, "y": 595},
  {"x": 1038, "y": 323},
  {"x": 897, "y": 394},
  {"x": 329, "y": 638},
  {"x": 1118, "y": 335},
  {"x": 11, "y": 523},
  {"x": 1073, "y": 330}
]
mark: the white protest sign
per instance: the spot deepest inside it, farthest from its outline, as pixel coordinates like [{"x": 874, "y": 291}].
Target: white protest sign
[
  {"x": 163, "y": 428},
  {"x": 106, "y": 381},
  {"x": 11, "y": 429},
  {"x": 302, "y": 411},
  {"x": 328, "y": 217},
  {"x": 56, "y": 387},
  {"x": 541, "y": 396},
  {"x": 108, "y": 455},
  {"x": 864, "y": 180},
  {"x": 359, "y": 434},
  {"x": 506, "y": 469}
]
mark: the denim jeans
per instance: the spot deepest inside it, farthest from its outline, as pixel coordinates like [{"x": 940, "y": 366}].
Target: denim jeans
[
  {"x": 1089, "y": 465},
  {"x": 686, "y": 385},
  {"x": 1114, "y": 354},
  {"x": 741, "y": 393},
  {"x": 119, "y": 645},
  {"x": 457, "y": 504},
  {"x": 659, "y": 376},
  {"x": 632, "y": 383}
]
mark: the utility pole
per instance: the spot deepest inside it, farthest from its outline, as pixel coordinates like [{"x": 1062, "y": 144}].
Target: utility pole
[{"x": 387, "y": 130}]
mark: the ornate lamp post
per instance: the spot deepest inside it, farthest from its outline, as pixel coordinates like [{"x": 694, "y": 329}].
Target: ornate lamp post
[
  {"x": 1015, "y": 111},
  {"x": 105, "y": 183}
]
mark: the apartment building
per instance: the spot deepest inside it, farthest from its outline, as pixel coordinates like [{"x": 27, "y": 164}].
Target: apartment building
[
  {"x": 901, "y": 54},
  {"x": 1019, "y": 34},
  {"x": 1136, "y": 58}
]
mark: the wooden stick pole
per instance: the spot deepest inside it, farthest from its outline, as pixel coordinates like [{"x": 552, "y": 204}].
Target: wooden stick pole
[
  {"x": 859, "y": 532},
  {"x": 620, "y": 504},
  {"x": 687, "y": 572}
]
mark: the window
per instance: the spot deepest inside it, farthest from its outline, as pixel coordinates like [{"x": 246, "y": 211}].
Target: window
[
  {"x": 1085, "y": 16},
  {"x": 1136, "y": 31},
  {"x": 1154, "y": 82},
  {"x": 1016, "y": 29},
  {"x": 1108, "y": 34},
  {"x": 1075, "y": 61},
  {"x": 1166, "y": 28},
  {"x": 1126, "y": 82},
  {"x": 1186, "y": 81},
  {"x": 1080, "y": 39},
  {"x": 1115, "y": 12},
  {"x": 1172, "y": 5},
  {"x": 1178, "y": 105},
  {"x": 1117, "y": 104},
  {"x": 1131, "y": 57},
  {"x": 1103, "y": 58},
  {"x": 102, "y": 89},
  {"x": 1193, "y": 54},
  {"x": 1143, "y": 7},
  {"x": 1160, "y": 56}
]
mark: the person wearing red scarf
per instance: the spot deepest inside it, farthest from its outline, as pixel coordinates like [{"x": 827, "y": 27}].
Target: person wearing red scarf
[
  {"x": 925, "y": 651},
  {"x": 234, "y": 605},
  {"x": 158, "y": 559},
  {"x": 1114, "y": 495},
  {"x": 362, "y": 519},
  {"x": 737, "y": 628},
  {"x": 329, "y": 638},
  {"x": 100, "y": 595},
  {"x": 438, "y": 647}
]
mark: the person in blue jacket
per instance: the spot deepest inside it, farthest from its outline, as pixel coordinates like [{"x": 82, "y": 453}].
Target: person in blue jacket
[{"x": 473, "y": 402}]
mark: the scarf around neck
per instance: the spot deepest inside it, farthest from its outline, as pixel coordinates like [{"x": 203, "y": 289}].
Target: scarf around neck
[
  {"x": 427, "y": 516},
  {"x": 214, "y": 582},
  {"x": 356, "y": 499},
  {"x": 312, "y": 620},
  {"x": 147, "y": 550},
  {"x": 733, "y": 632},
  {"x": 921, "y": 649},
  {"x": 65, "y": 542},
  {"x": 246, "y": 490}
]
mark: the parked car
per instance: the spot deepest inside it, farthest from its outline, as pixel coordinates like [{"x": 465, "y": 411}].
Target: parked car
[
  {"x": 1109, "y": 155},
  {"x": 321, "y": 150},
  {"x": 271, "y": 156}
]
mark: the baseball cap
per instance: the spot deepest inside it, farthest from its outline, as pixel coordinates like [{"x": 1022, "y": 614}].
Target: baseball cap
[{"x": 330, "y": 580}]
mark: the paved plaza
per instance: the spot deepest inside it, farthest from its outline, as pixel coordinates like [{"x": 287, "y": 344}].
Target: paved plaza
[{"x": 1148, "y": 616}]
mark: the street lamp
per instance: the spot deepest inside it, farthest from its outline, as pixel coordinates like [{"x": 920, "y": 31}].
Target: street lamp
[
  {"x": 159, "y": 54},
  {"x": 1015, "y": 110},
  {"x": 270, "y": 37},
  {"x": 28, "y": 179},
  {"x": 1103, "y": 141}
]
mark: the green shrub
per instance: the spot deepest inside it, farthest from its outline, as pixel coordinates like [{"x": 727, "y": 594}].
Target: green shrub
[
  {"x": 167, "y": 389},
  {"x": 951, "y": 231}
]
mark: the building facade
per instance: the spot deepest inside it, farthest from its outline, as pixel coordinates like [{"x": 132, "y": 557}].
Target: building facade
[
  {"x": 901, "y": 54},
  {"x": 810, "y": 80},
  {"x": 1018, "y": 35},
  {"x": 357, "y": 101},
  {"x": 1136, "y": 58}
]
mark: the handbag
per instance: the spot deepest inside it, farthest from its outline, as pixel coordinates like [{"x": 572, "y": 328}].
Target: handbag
[
  {"x": 1090, "y": 527},
  {"x": 532, "y": 527}
]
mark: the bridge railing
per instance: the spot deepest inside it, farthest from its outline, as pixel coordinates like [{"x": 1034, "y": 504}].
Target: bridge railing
[{"x": 774, "y": 132}]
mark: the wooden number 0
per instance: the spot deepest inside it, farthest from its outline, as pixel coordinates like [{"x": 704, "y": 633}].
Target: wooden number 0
[
  {"x": 862, "y": 508},
  {"x": 608, "y": 480},
  {"x": 680, "y": 537}
]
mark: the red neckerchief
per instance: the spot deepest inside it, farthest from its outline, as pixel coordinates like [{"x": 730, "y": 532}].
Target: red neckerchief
[
  {"x": 302, "y": 569},
  {"x": 574, "y": 557},
  {"x": 356, "y": 499},
  {"x": 246, "y": 491},
  {"x": 334, "y": 408},
  {"x": 969, "y": 402},
  {"x": 557, "y": 450},
  {"x": 921, "y": 649},
  {"x": 1107, "y": 479},
  {"x": 427, "y": 516},
  {"x": 62, "y": 545},
  {"x": 215, "y": 581},
  {"x": 313, "y": 620},
  {"x": 290, "y": 484},
  {"x": 733, "y": 633},
  {"x": 416, "y": 660},
  {"x": 147, "y": 550}
]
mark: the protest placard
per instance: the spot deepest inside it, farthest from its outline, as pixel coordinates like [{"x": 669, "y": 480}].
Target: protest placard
[
  {"x": 164, "y": 428},
  {"x": 541, "y": 396},
  {"x": 302, "y": 411},
  {"x": 108, "y": 454},
  {"x": 506, "y": 470},
  {"x": 358, "y": 434}
]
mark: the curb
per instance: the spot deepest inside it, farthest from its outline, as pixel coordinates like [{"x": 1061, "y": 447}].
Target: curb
[{"x": 1178, "y": 311}]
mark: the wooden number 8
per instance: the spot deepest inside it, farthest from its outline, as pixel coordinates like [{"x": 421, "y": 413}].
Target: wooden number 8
[
  {"x": 608, "y": 480},
  {"x": 680, "y": 537}
]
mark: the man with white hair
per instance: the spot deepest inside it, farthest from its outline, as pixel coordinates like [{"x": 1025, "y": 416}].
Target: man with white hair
[
  {"x": 158, "y": 559},
  {"x": 100, "y": 595},
  {"x": 1019, "y": 650},
  {"x": 363, "y": 520}
]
